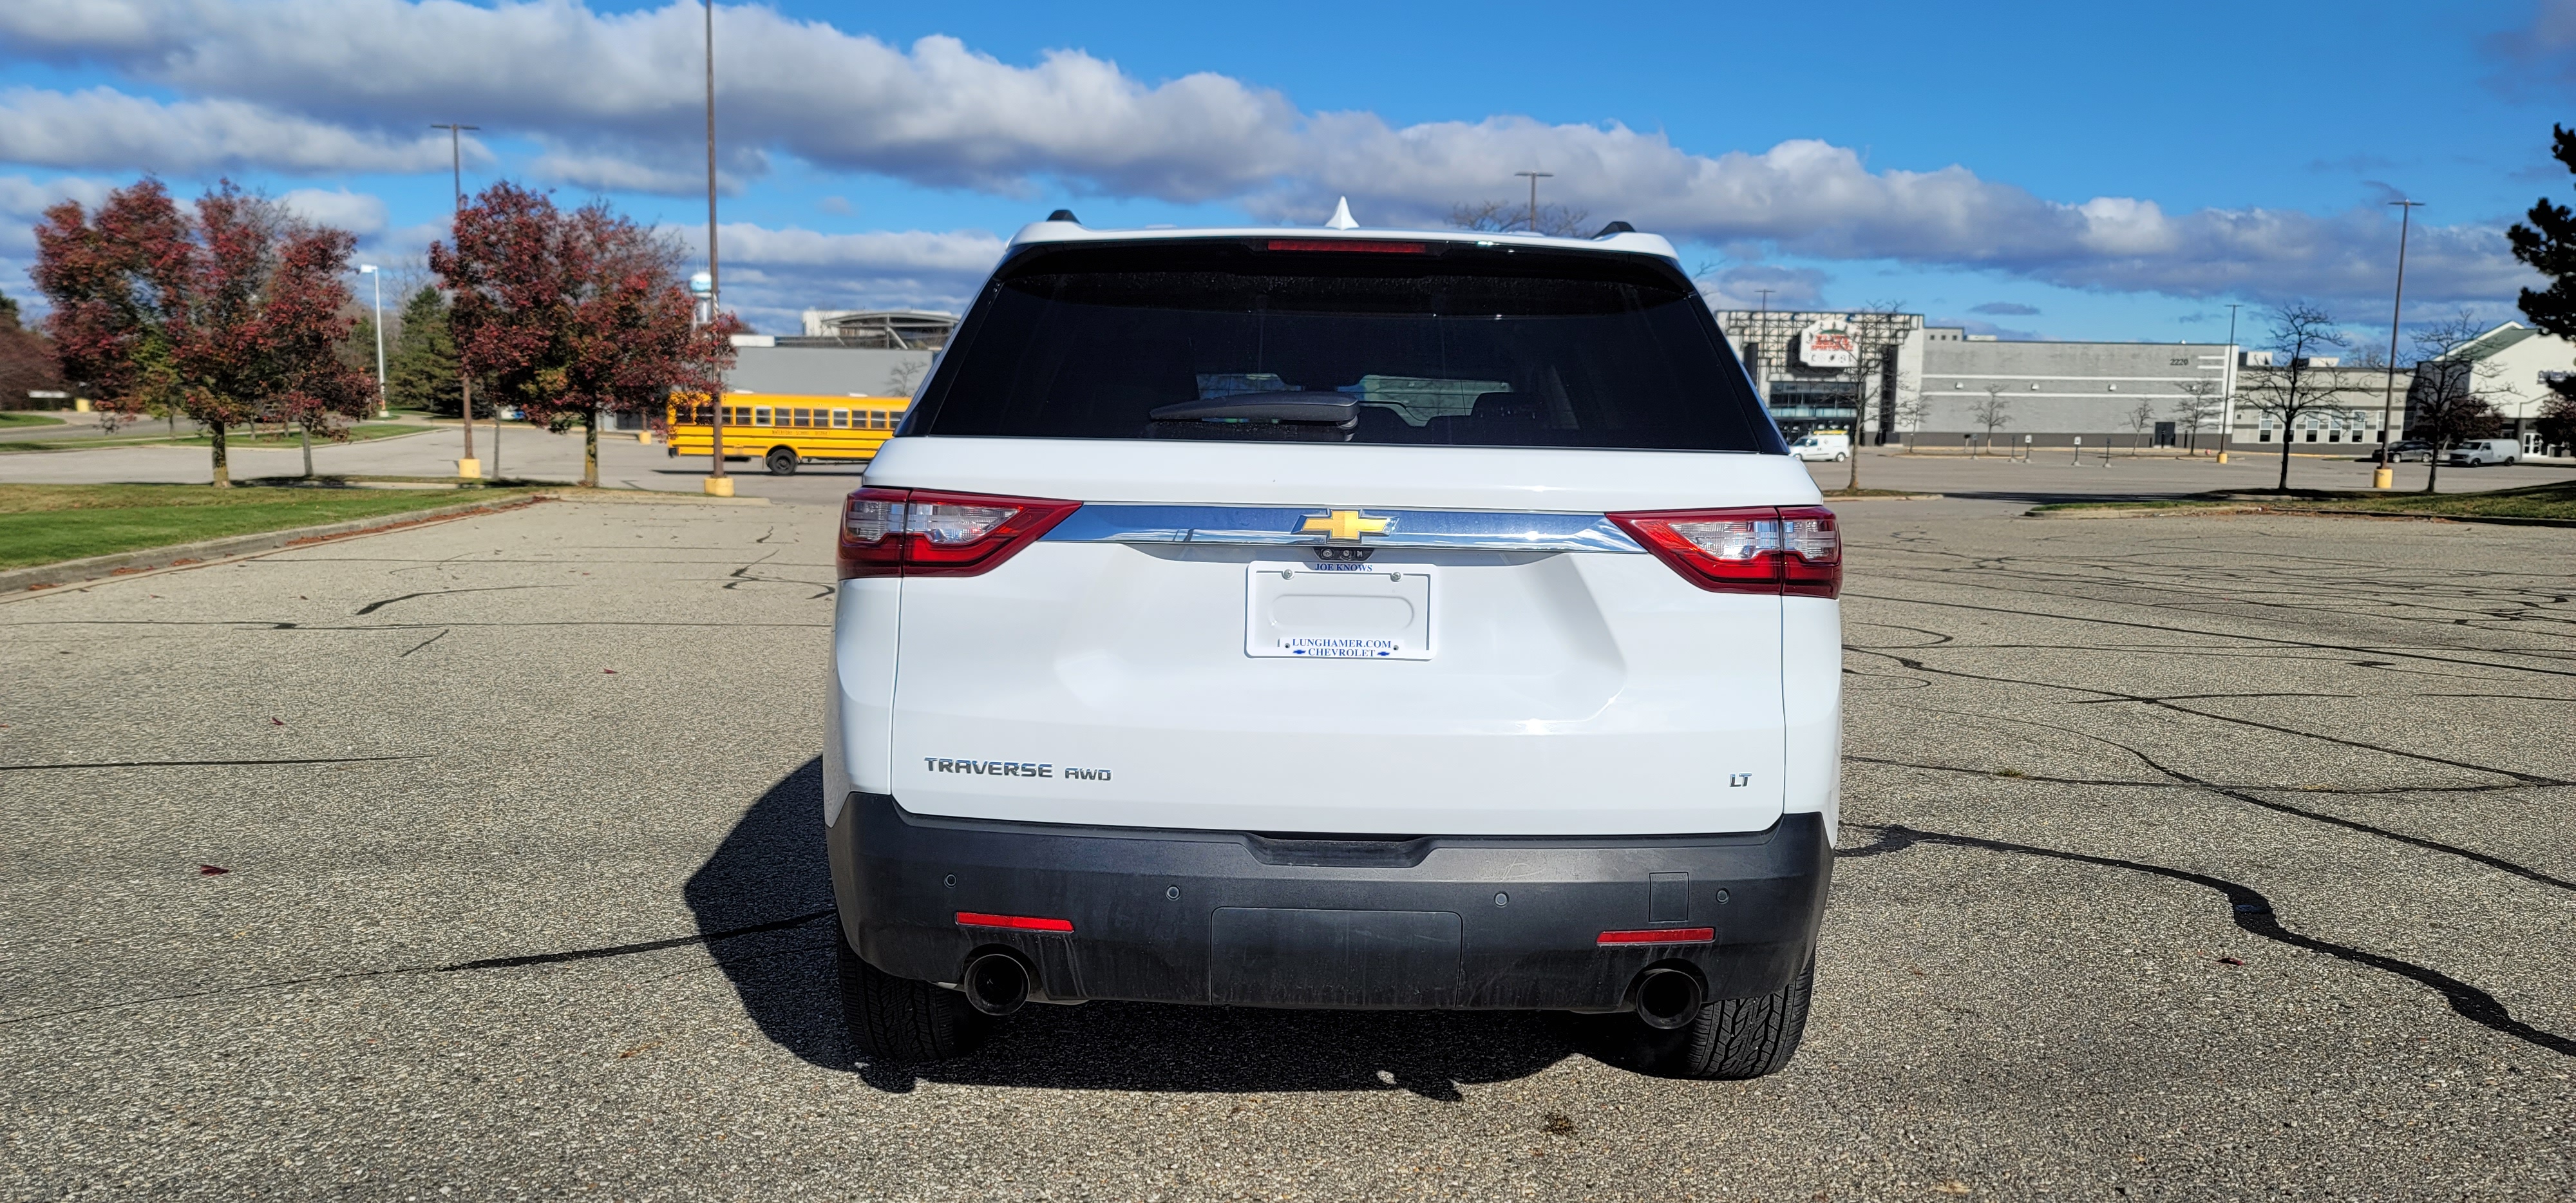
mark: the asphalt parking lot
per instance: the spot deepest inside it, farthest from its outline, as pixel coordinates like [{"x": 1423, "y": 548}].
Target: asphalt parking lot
[{"x": 2185, "y": 857}]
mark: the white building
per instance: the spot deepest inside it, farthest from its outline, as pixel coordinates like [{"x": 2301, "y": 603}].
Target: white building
[{"x": 2511, "y": 367}]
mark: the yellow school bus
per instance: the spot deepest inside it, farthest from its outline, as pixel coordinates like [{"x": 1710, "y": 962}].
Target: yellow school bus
[{"x": 783, "y": 431}]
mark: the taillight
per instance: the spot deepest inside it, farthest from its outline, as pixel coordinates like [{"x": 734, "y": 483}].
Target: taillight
[
  {"x": 1811, "y": 552},
  {"x": 1796, "y": 551},
  {"x": 921, "y": 532}
]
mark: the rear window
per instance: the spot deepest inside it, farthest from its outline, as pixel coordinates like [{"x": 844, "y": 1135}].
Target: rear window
[{"x": 1457, "y": 345}]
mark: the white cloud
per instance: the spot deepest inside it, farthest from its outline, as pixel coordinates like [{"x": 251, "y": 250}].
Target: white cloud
[
  {"x": 23, "y": 202},
  {"x": 105, "y": 128},
  {"x": 1765, "y": 286},
  {"x": 770, "y": 274},
  {"x": 321, "y": 85},
  {"x": 356, "y": 212}
]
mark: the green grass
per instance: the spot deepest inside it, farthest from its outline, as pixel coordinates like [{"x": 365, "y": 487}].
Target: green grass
[
  {"x": 2557, "y": 501},
  {"x": 2551, "y": 501},
  {"x": 1833, "y": 493},
  {"x": 43, "y": 524},
  {"x": 143, "y": 435},
  {"x": 19, "y": 417}
]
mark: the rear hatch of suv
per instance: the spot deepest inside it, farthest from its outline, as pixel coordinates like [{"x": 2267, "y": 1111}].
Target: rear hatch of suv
[{"x": 1316, "y": 536}]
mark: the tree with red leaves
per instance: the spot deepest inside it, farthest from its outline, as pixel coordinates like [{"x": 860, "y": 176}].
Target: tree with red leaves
[
  {"x": 26, "y": 359},
  {"x": 228, "y": 315},
  {"x": 571, "y": 315}
]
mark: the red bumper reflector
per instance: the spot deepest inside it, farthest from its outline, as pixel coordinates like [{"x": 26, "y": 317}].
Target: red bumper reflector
[
  {"x": 1017, "y": 922},
  {"x": 1661, "y": 935}
]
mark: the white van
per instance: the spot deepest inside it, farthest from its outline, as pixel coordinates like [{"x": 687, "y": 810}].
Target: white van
[
  {"x": 1336, "y": 618},
  {"x": 2479, "y": 453},
  {"x": 1824, "y": 445}
]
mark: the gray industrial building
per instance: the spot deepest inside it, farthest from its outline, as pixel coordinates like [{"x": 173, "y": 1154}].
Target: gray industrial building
[
  {"x": 1935, "y": 386},
  {"x": 821, "y": 367},
  {"x": 2049, "y": 394}
]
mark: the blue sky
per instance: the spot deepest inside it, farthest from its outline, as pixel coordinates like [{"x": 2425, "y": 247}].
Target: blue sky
[{"x": 2037, "y": 170}]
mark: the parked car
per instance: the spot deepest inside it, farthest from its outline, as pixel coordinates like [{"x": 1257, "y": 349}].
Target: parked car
[
  {"x": 2479, "y": 453},
  {"x": 1336, "y": 618},
  {"x": 1822, "y": 445},
  {"x": 2404, "y": 451}
]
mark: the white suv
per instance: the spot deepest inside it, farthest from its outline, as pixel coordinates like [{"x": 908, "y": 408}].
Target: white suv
[{"x": 1337, "y": 618}]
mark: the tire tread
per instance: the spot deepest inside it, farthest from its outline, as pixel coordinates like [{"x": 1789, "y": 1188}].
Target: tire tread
[{"x": 901, "y": 1020}]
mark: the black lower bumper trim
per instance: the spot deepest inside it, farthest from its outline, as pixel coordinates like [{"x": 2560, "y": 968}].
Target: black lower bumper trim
[{"x": 1221, "y": 917}]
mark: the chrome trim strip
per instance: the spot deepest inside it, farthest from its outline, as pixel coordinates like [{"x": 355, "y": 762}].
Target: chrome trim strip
[{"x": 1278, "y": 526}]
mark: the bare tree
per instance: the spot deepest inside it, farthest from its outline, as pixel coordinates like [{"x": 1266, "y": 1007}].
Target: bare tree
[
  {"x": 1875, "y": 336},
  {"x": 904, "y": 378},
  {"x": 2140, "y": 417},
  {"x": 1911, "y": 407},
  {"x": 1500, "y": 216},
  {"x": 2452, "y": 395},
  {"x": 2201, "y": 404},
  {"x": 1991, "y": 413},
  {"x": 2294, "y": 385}
]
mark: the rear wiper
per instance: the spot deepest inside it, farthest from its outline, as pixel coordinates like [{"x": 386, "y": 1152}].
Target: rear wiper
[{"x": 1325, "y": 409}]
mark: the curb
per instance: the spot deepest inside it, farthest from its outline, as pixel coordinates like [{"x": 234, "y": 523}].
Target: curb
[
  {"x": 2179, "y": 511},
  {"x": 190, "y": 555},
  {"x": 647, "y": 497},
  {"x": 2143, "y": 511},
  {"x": 200, "y": 554}
]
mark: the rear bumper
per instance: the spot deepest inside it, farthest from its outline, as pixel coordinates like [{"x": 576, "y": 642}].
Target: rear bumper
[{"x": 1233, "y": 918}]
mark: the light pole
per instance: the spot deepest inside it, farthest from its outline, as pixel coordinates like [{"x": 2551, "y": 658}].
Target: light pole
[
  {"x": 468, "y": 468},
  {"x": 2385, "y": 475},
  {"x": 2227, "y": 412},
  {"x": 1534, "y": 178},
  {"x": 718, "y": 484},
  {"x": 384, "y": 401}
]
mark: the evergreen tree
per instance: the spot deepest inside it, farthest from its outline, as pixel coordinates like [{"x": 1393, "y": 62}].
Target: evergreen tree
[
  {"x": 2548, "y": 244},
  {"x": 421, "y": 366}
]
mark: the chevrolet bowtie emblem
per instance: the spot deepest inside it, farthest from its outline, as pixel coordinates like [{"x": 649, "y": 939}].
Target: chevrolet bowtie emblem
[{"x": 1344, "y": 526}]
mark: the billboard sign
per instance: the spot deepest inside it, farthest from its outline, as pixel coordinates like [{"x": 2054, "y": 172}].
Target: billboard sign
[{"x": 1827, "y": 344}]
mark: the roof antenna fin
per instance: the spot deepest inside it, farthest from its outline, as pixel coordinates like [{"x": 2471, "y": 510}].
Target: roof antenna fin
[{"x": 1342, "y": 219}]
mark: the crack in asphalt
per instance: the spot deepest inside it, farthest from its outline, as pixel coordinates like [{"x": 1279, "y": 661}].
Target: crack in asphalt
[
  {"x": 191, "y": 764},
  {"x": 2252, "y": 912},
  {"x": 2338, "y": 650},
  {"x": 442, "y": 634},
  {"x": 2185, "y": 781},
  {"x": 543, "y": 958},
  {"x": 373, "y": 606},
  {"x": 2118, "y": 696}
]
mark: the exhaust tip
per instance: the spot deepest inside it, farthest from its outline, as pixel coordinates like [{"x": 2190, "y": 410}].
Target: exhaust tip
[
  {"x": 1667, "y": 998},
  {"x": 996, "y": 984}
]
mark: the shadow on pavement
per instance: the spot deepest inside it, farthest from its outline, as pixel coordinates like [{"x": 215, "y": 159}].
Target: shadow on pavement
[{"x": 771, "y": 867}]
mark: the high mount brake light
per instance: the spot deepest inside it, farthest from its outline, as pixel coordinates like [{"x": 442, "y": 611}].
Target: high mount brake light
[
  {"x": 1360, "y": 246},
  {"x": 1795, "y": 550},
  {"x": 921, "y": 532}
]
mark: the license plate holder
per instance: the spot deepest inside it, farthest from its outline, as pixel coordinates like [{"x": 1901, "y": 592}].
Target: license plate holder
[{"x": 1338, "y": 611}]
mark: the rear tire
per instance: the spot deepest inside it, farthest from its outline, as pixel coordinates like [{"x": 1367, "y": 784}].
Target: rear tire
[
  {"x": 900, "y": 1020},
  {"x": 1840, "y": 457},
  {"x": 782, "y": 461},
  {"x": 1732, "y": 1038}
]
